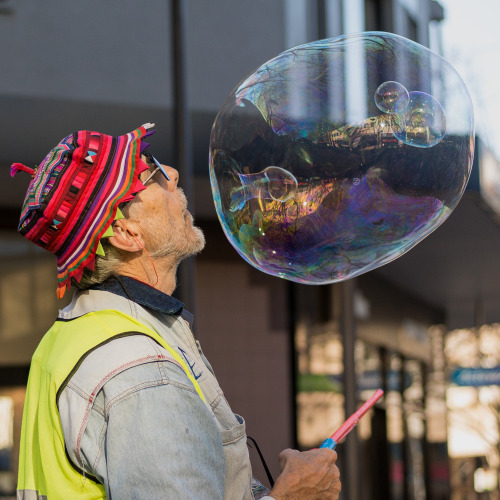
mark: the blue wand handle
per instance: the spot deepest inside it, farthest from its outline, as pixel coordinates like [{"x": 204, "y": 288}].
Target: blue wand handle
[{"x": 329, "y": 443}]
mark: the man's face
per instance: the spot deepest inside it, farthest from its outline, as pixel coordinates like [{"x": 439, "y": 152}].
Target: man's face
[{"x": 166, "y": 224}]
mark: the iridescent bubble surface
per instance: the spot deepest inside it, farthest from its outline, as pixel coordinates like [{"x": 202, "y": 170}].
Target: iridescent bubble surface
[
  {"x": 420, "y": 121},
  {"x": 319, "y": 172},
  {"x": 390, "y": 93},
  {"x": 273, "y": 183}
]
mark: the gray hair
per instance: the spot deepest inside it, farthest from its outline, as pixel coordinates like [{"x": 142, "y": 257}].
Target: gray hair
[{"x": 106, "y": 266}]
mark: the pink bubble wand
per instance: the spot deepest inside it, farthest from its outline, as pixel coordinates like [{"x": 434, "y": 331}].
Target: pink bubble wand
[{"x": 351, "y": 422}]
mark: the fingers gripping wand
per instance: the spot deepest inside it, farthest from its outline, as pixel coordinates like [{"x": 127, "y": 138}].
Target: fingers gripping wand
[{"x": 351, "y": 422}]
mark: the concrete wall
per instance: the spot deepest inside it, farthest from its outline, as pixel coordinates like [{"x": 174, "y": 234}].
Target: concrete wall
[
  {"x": 119, "y": 51},
  {"x": 28, "y": 302},
  {"x": 110, "y": 52}
]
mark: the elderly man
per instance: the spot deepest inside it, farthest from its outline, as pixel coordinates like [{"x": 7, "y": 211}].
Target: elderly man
[{"x": 121, "y": 402}]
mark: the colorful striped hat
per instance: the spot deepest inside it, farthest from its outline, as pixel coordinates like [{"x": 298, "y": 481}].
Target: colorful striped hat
[{"x": 75, "y": 193}]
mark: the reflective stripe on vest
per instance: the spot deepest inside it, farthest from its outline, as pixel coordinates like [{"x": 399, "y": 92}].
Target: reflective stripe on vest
[
  {"x": 29, "y": 495},
  {"x": 45, "y": 471}
]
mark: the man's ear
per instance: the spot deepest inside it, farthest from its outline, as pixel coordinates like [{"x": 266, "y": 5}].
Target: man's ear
[{"x": 125, "y": 237}]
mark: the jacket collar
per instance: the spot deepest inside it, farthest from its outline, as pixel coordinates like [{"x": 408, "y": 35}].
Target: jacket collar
[{"x": 144, "y": 295}]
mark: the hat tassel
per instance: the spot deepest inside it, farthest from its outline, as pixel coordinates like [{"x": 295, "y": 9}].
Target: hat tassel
[{"x": 15, "y": 167}]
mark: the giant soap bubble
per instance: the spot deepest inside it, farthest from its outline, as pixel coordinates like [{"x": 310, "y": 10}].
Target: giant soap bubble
[{"x": 340, "y": 155}]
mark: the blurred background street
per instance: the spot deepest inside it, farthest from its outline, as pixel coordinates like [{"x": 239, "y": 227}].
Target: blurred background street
[{"x": 293, "y": 359}]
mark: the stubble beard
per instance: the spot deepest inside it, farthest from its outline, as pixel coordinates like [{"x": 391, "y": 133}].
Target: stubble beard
[
  {"x": 176, "y": 243},
  {"x": 175, "y": 239}
]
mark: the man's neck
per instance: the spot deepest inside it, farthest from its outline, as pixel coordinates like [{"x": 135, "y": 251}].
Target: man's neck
[{"x": 158, "y": 273}]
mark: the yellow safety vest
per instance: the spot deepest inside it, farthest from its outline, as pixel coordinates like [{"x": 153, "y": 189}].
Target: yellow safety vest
[{"x": 44, "y": 468}]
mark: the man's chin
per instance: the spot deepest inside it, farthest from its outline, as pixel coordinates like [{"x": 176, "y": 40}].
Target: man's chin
[
  {"x": 194, "y": 243},
  {"x": 198, "y": 242}
]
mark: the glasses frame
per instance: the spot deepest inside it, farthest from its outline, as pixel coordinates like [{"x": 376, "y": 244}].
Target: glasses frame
[{"x": 155, "y": 171}]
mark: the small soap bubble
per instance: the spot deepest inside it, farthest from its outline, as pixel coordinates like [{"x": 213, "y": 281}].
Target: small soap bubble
[
  {"x": 273, "y": 183},
  {"x": 338, "y": 156},
  {"x": 421, "y": 122},
  {"x": 390, "y": 93}
]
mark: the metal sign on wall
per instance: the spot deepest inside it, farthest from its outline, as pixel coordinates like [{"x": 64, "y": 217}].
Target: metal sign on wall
[{"x": 476, "y": 376}]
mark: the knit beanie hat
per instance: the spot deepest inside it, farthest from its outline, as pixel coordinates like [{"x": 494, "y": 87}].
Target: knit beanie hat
[{"x": 75, "y": 193}]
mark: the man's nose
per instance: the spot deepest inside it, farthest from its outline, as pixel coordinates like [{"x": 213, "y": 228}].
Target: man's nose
[{"x": 173, "y": 175}]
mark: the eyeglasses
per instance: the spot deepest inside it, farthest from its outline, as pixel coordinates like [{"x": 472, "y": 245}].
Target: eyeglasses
[
  {"x": 156, "y": 163},
  {"x": 150, "y": 160}
]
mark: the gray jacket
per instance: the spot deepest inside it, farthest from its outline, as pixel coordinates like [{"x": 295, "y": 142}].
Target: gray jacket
[{"x": 133, "y": 420}]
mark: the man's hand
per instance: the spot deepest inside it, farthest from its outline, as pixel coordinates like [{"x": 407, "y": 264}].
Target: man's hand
[{"x": 310, "y": 475}]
